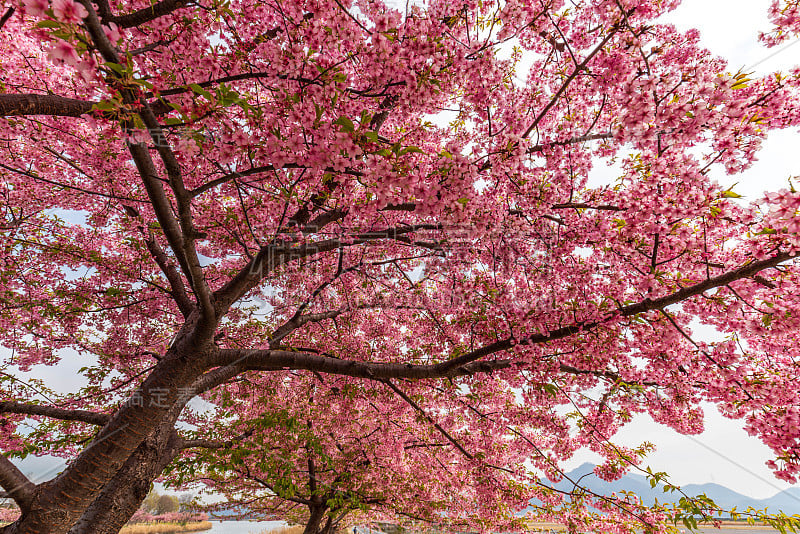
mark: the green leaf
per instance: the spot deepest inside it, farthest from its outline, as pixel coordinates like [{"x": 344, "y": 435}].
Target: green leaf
[
  {"x": 113, "y": 292},
  {"x": 550, "y": 389},
  {"x": 366, "y": 116},
  {"x": 143, "y": 83},
  {"x": 48, "y": 24},
  {"x": 116, "y": 67},
  {"x": 767, "y": 231},
  {"x": 199, "y": 91},
  {"x": 346, "y": 124},
  {"x": 103, "y": 105},
  {"x": 410, "y": 149}
]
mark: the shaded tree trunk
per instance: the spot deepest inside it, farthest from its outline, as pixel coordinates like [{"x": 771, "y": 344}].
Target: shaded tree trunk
[
  {"x": 329, "y": 526},
  {"x": 315, "y": 519},
  {"x": 107, "y": 482},
  {"x": 123, "y": 495}
]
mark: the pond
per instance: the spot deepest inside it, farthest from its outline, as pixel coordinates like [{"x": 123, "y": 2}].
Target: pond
[{"x": 243, "y": 527}]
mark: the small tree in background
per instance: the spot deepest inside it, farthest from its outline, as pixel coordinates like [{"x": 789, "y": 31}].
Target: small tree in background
[
  {"x": 167, "y": 504},
  {"x": 150, "y": 503},
  {"x": 185, "y": 502}
]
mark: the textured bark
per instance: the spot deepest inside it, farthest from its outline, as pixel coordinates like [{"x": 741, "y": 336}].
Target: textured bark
[
  {"x": 147, "y": 14},
  {"x": 328, "y": 528},
  {"x": 85, "y": 416},
  {"x": 16, "y": 105},
  {"x": 123, "y": 495},
  {"x": 60, "y": 503},
  {"x": 314, "y": 520},
  {"x": 16, "y": 484}
]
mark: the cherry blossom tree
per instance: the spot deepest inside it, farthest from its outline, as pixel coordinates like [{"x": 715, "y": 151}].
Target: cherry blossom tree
[
  {"x": 218, "y": 200},
  {"x": 370, "y": 460}
]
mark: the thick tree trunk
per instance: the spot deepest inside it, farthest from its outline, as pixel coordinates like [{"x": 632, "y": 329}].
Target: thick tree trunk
[
  {"x": 328, "y": 528},
  {"x": 60, "y": 503},
  {"x": 314, "y": 520},
  {"x": 123, "y": 495}
]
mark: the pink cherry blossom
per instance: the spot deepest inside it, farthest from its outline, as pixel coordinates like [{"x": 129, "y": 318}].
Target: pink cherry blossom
[
  {"x": 63, "y": 52},
  {"x": 69, "y": 11},
  {"x": 338, "y": 259},
  {"x": 112, "y": 32},
  {"x": 36, "y": 8}
]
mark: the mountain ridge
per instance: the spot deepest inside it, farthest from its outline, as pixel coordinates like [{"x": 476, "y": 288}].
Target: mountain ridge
[{"x": 787, "y": 501}]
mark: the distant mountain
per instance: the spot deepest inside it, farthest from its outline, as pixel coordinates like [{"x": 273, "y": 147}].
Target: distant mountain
[{"x": 787, "y": 501}]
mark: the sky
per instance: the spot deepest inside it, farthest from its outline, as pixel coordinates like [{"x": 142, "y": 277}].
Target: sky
[{"x": 724, "y": 453}]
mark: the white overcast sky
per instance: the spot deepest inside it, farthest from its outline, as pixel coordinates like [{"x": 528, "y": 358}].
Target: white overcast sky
[{"x": 724, "y": 454}]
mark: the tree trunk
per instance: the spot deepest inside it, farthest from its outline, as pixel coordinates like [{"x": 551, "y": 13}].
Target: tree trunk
[
  {"x": 328, "y": 528},
  {"x": 123, "y": 495},
  {"x": 61, "y": 503},
  {"x": 314, "y": 520}
]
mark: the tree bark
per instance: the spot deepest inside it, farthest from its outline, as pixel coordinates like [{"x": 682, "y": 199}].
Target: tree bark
[
  {"x": 314, "y": 520},
  {"x": 328, "y": 528},
  {"x": 60, "y": 503},
  {"x": 123, "y": 495}
]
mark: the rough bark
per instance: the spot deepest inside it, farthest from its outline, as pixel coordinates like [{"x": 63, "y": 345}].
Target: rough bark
[
  {"x": 123, "y": 495},
  {"x": 328, "y": 528},
  {"x": 55, "y": 412},
  {"x": 60, "y": 503},
  {"x": 16, "y": 484},
  {"x": 22, "y": 105},
  {"x": 314, "y": 520},
  {"x": 157, "y": 10},
  {"x": 31, "y": 104}
]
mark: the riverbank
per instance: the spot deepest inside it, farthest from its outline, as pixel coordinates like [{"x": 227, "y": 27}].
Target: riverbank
[
  {"x": 737, "y": 525},
  {"x": 724, "y": 525},
  {"x": 166, "y": 528}
]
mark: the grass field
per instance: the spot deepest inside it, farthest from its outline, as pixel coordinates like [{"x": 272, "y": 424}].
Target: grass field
[
  {"x": 296, "y": 529},
  {"x": 165, "y": 528}
]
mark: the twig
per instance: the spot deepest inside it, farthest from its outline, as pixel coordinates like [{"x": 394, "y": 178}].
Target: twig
[{"x": 6, "y": 16}]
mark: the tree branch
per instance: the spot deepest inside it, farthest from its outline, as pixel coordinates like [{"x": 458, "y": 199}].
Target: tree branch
[
  {"x": 180, "y": 232},
  {"x": 16, "y": 484},
  {"x": 16, "y": 105},
  {"x": 204, "y": 444},
  {"x": 745, "y": 271},
  {"x": 578, "y": 69},
  {"x": 272, "y": 256},
  {"x": 177, "y": 288},
  {"x": 428, "y": 418},
  {"x": 147, "y": 14},
  {"x": 571, "y": 141},
  {"x": 19, "y": 105},
  {"x": 85, "y": 416},
  {"x": 234, "y": 361},
  {"x": 6, "y": 16}
]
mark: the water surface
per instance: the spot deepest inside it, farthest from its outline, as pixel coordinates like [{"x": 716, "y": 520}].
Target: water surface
[{"x": 243, "y": 527}]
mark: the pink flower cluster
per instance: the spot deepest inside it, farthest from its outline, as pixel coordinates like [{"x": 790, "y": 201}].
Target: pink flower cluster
[
  {"x": 66, "y": 11},
  {"x": 172, "y": 517}
]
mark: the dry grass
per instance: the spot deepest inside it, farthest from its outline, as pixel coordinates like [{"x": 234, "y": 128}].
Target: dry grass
[
  {"x": 165, "y": 528},
  {"x": 296, "y": 529}
]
